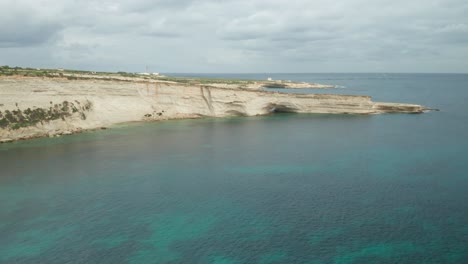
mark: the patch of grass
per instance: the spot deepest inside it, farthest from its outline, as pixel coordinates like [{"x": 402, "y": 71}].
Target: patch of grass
[
  {"x": 109, "y": 76},
  {"x": 206, "y": 81}
]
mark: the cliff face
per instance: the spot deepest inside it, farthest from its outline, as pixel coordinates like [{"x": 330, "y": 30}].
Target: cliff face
[{"x": 34, "y": 107}]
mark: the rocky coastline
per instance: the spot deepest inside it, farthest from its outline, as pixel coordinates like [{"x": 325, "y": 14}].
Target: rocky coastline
[{"x": 33, "y": 107}]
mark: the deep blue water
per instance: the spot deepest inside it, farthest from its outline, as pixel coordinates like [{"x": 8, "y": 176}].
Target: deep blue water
[{"x": 279, "y": 189}]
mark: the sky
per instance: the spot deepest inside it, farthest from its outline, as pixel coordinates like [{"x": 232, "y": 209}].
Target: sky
[{"x": 238, "y": 36}]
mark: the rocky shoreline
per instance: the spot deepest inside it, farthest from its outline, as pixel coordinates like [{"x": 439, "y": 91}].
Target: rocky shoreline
[{"x": 33, "y": 107}]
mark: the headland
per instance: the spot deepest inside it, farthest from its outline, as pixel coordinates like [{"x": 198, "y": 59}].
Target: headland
[{"x": 40, "y": 103}]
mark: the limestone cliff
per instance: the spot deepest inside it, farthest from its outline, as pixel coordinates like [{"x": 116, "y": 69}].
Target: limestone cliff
[{"x": 34, "y": 107}]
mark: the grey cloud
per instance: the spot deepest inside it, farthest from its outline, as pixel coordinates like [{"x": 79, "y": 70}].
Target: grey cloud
[
  {"x": 143, "y": 6},
  {"x": 162, "y": 34},
  {"x": 243, "y": 35},
  {"x": 21, "y": 29},
  {"x": 304, "y": 37},
  {"x": 18, "y": 36}
]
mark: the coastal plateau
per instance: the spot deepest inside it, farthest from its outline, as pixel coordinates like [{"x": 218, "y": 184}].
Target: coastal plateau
[{"x": 43, "y": 106}]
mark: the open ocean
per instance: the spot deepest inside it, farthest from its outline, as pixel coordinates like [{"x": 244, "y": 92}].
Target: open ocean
[{"x": 285, "y": 188}]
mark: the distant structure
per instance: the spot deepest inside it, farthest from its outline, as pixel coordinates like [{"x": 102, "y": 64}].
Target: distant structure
[
  {"x": 148, "y": 73},
  {"x": 270, "y": 79},
  {"x": 60, "y": 69}
]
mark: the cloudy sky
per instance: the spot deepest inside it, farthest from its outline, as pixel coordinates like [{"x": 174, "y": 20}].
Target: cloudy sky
[{"x": 237, "y": 36}]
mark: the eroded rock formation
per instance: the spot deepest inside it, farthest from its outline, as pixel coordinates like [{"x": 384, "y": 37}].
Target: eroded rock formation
[{"x": 112, "y": 102}]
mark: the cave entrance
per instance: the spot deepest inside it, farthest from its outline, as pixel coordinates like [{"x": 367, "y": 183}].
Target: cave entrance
[{"x": 281, "y": 108}]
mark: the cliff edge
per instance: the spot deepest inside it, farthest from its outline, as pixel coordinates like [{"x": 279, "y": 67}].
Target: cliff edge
[{"x": 38, "y": 106}]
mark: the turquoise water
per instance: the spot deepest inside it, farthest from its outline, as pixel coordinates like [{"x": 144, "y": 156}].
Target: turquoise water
[{"x": 279, "y": 189}]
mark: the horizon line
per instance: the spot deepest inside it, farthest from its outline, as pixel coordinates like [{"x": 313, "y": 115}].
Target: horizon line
[
  {"x": 316, "y": 72},
  {"x": 171, "y": 72}
]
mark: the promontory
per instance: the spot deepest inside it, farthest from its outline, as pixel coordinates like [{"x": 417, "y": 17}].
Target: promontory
[{"x": 37, "y": 103}]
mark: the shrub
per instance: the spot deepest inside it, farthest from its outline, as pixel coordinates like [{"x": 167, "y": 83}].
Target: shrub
[{"x": 17, "y": 118}]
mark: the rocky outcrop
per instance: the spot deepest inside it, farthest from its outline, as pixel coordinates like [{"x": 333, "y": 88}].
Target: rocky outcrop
[{"x": 69, "y": 106}]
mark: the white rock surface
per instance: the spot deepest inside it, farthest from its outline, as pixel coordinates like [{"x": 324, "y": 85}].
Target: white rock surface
[{"x": 122, "y": 101}]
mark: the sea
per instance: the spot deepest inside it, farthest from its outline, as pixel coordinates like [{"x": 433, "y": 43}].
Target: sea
[{"x": 284, "y": 188}]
